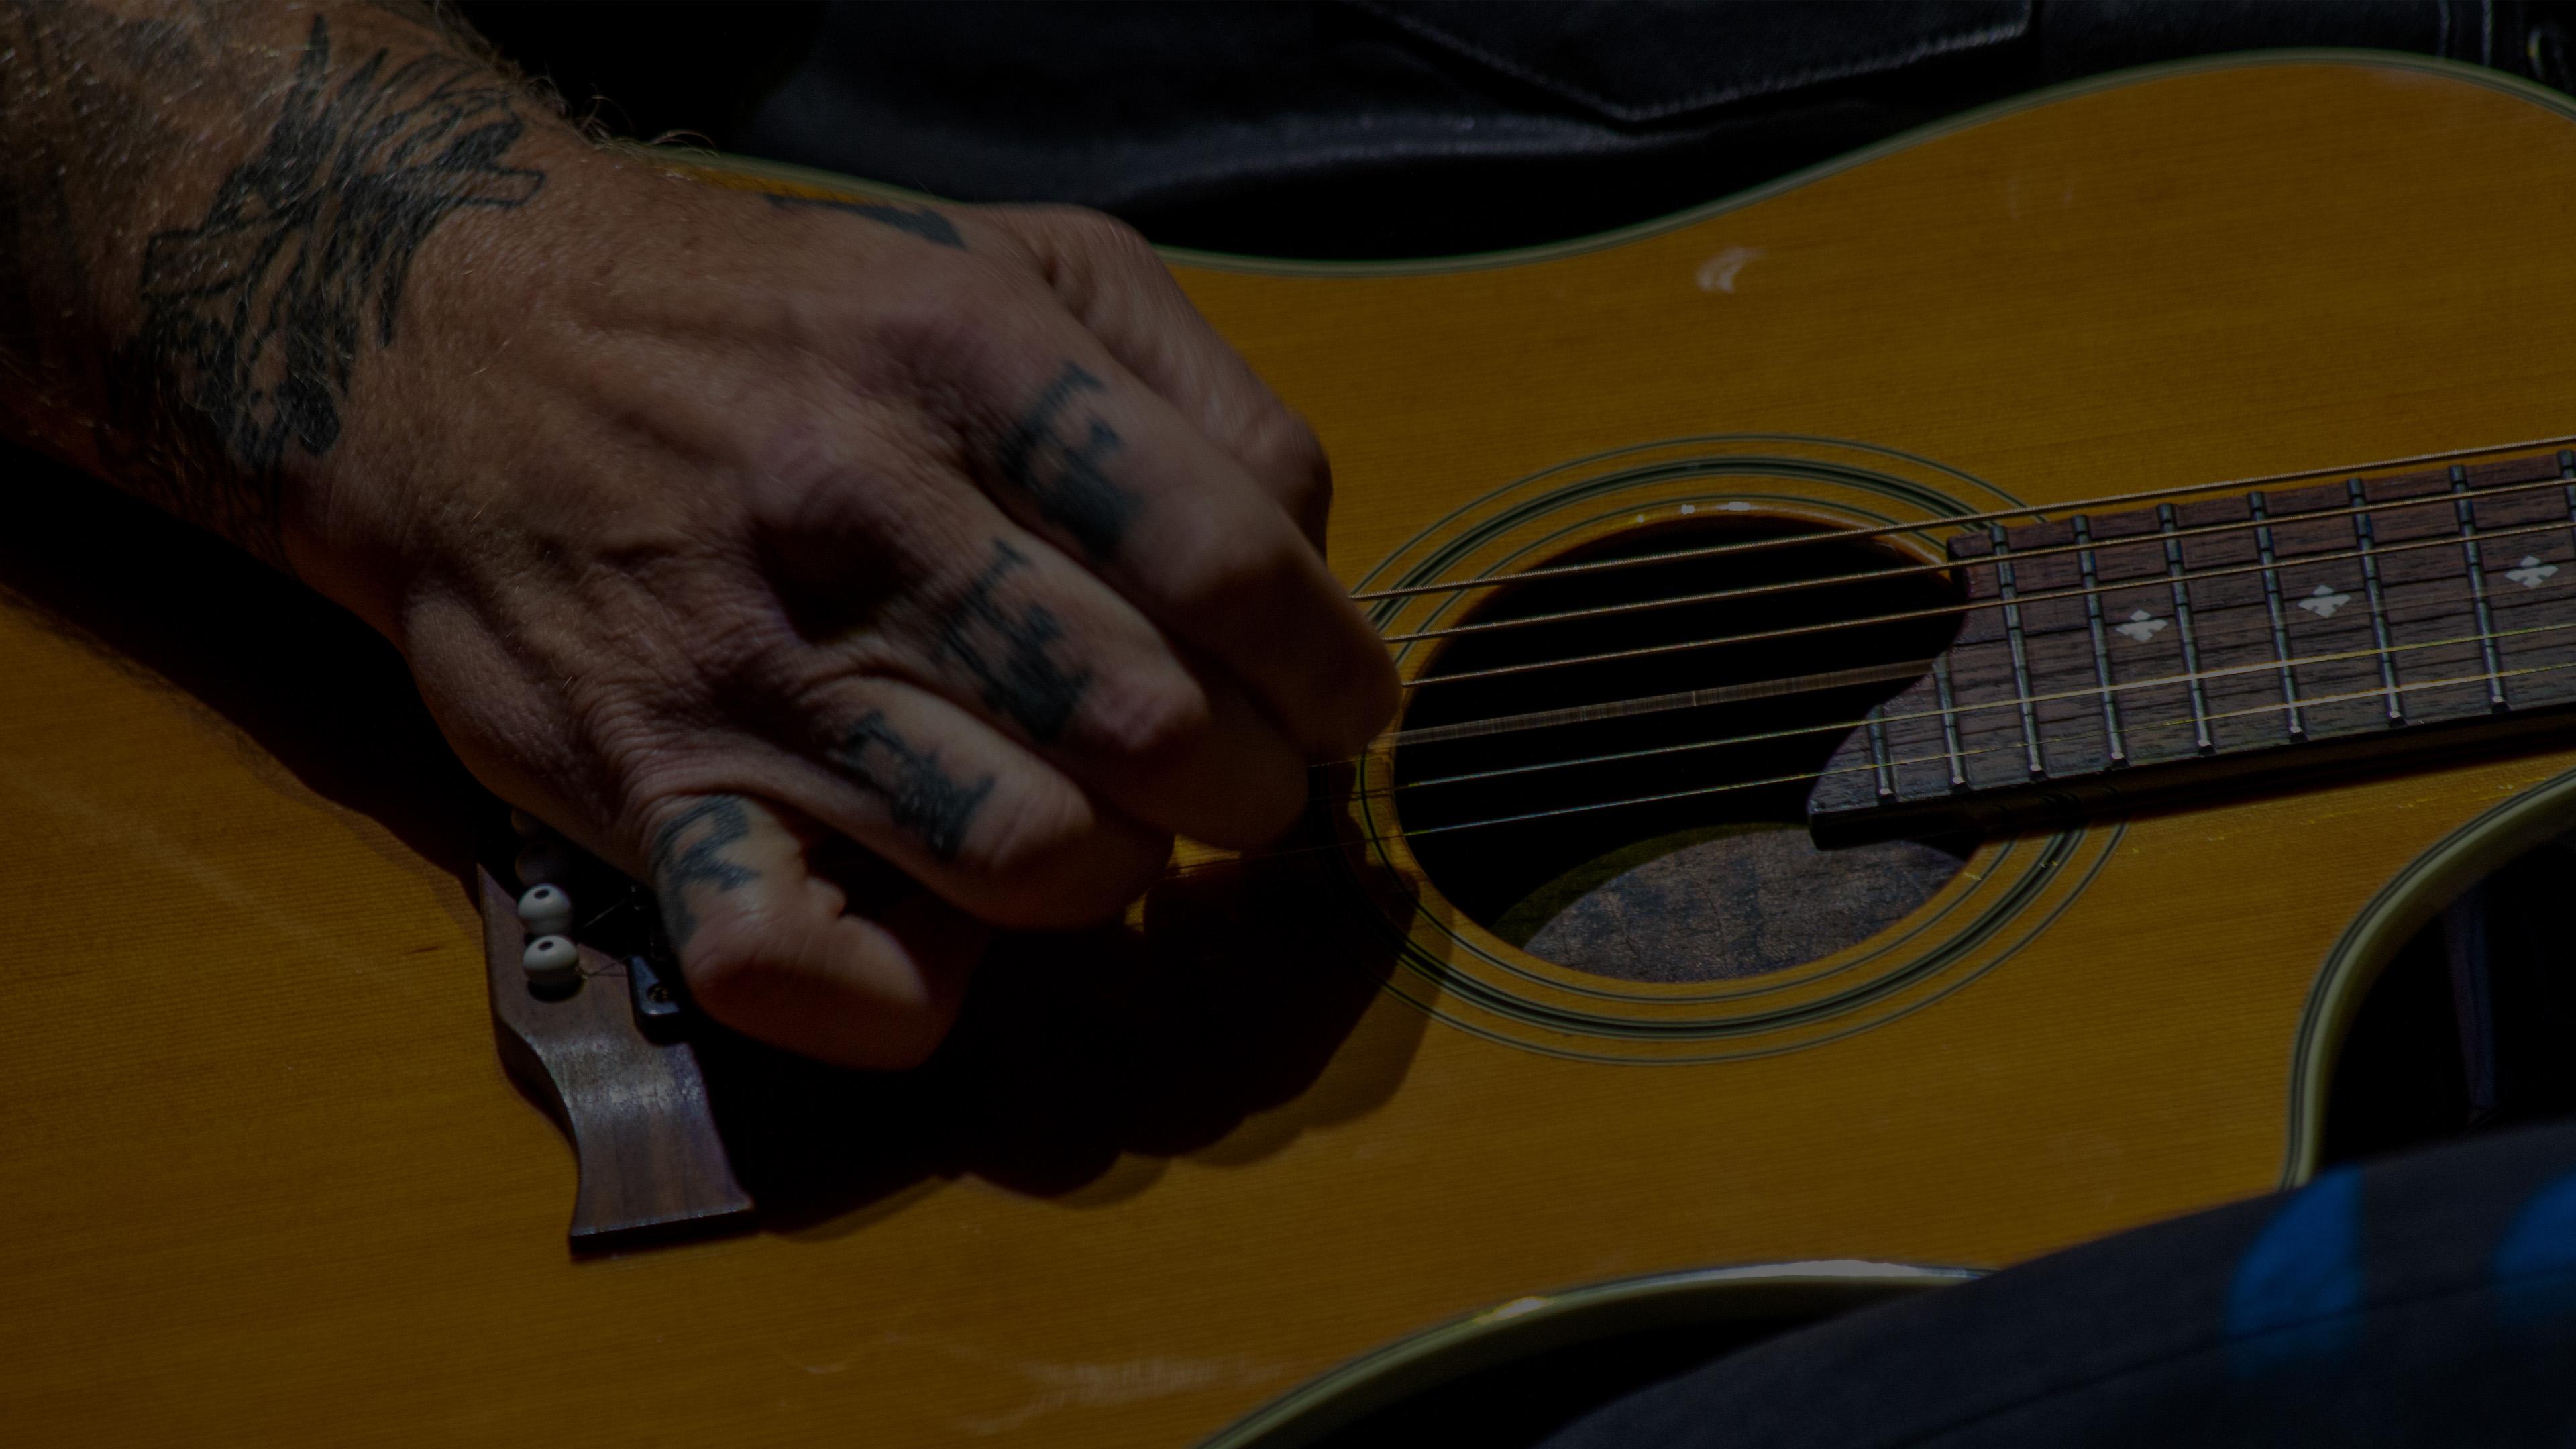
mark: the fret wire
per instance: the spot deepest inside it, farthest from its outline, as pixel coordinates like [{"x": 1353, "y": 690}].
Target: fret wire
[
  {"x": 1754, "y": 591},
  {"x": 1927, "y": 666},
  {"x": 2119, "y": 750},
  {"x": 1878, "y": 758},
  {"x": 1949, "y": 722},
  {"x": 2367, "y": 548},
  {"x": 1403, "y": 591},
  {"x": 2567, "y": 489},
  {"x": 2020, "y": 655},
  {"x": 1344, "y": 847},
  {"x": 1902, "y": 615},
  {"x": 2465, "y": 513},
  {"x": 2295, "y": 723},
  {"x": 2201, "y": 737}
]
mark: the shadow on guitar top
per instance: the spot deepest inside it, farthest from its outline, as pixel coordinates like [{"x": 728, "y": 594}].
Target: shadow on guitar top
[{"x": 1237, "y": 1016}]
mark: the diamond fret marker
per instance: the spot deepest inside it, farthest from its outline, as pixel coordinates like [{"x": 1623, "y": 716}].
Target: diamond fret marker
[
  {"x": 2324, "y": 601},
  {"x": 2142, "y": 626},
  {"x": 2531, "y": 572}
]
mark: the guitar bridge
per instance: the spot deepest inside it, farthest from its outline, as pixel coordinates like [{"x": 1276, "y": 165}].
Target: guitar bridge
[{"x": 607, "y": 1057}]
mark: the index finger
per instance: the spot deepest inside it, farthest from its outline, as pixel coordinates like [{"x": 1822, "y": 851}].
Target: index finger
[
  {"x": 1086, "y": 455},
  {"x": 1112, "y": 281}
]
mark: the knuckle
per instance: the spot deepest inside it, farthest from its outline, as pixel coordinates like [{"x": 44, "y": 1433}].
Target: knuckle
[
  {"x": 1146, "y": 715},
  {"x": 846, "y": 480},
  {"x": 1094, "y": 236},
  {"x": 1108, "y": 239},
  {"x": 1067, "y": 877},
  {"x": 1024, "y": 833},
  {"x": 1232, "y": 568},
  {"x": 1053, "y": 864},
  {"x": 951, "y": 319},
  {"x": 1283, "y": 451},
  {"x": 1083, "y": 256}
]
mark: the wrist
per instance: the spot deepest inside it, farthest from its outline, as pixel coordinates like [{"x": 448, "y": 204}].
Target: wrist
[
  {"x": 497, "y": 378},
  {"x": 227, "y": 228}
]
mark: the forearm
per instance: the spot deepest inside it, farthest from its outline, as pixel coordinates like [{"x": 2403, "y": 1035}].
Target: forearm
[
  {"x": 712, "y": 526},
  {"x": 213, "y": 212}
]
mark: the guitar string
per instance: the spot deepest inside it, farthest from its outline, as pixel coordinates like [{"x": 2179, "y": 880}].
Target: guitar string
[
  {"x": 2006, "y": 747},
  {"x": 2011, "y": 556},
  {"x": 2188, "y": 576},
  {"x": 2087, "y": 692},
  {"x": 1843, "y": 678},
  {"x": 1715, "y": 694},
  {"x": 1733, "y": 693},
  {"x": 1940, "y": 759},
  {"x": 1598, "y": 566}
]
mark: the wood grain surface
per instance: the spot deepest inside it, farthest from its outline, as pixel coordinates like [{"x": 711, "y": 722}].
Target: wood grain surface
[
  {"x": 265, "y": 1180},
  {"x": 652, "y": 1166}
]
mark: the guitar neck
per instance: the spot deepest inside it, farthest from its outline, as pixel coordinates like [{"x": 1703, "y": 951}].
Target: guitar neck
[{"x": 2135, "y": 657}]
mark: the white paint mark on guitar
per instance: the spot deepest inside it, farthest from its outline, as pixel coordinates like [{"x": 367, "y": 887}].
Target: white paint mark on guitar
[
  {"x": 1717, "y": 274},
  {"x": 1097, "y": 1385}
]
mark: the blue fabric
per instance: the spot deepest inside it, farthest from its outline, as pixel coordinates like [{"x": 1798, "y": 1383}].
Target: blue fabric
[
  {"x": 2417, "y": 1301},
  {"x": 2296, "y": 1289},
  {"x": 2535, "y": 1265}
]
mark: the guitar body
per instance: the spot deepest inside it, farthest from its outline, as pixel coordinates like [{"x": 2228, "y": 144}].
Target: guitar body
[{"x": 262, "y": 1177}]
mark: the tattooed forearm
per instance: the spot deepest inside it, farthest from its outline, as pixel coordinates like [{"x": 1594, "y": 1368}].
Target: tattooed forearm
[
  {"x": 254, "y": 320},
  {"x": 689, "y": 852},
  {"x": 1006, "y": 651},
  {"x": 921, "y": 221},
  {"x": 1064, "y": 479},
  {"x": 922, "y": 797}
]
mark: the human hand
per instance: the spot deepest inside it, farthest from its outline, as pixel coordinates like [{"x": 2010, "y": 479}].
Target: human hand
[{"x": 716, "y": 526}]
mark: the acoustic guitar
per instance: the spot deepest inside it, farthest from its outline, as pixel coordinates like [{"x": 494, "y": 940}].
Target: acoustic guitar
[{"x": 1931, "y": 690}]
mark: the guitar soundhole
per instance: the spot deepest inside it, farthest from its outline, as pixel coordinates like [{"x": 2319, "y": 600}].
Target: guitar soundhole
[{"x": 1717, "y": 879}]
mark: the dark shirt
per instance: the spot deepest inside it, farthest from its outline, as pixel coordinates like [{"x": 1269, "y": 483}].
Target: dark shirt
[{"x": 1393, "y": 127}]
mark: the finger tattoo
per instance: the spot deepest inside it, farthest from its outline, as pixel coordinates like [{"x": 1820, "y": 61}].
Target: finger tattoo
[
  {"x": 921, "y": 221},
  {"x": 1006, "y": 651},
  {"x": 1062, "y": 478},
  {"x": 921, "y": 795},
  {"x": 698, "y": 861}
]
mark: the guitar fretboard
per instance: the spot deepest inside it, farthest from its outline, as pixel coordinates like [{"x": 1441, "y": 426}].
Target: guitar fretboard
[{"x": 2132, "y": 653}]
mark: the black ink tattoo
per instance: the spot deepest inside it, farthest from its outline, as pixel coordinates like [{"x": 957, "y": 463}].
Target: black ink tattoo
[
  {"x": 921, "y": 795},
  {"x": 921, "y": 221},
  {"x": 677, "y": 867},
  {"x": 1064, "y": 479},
  {"x": 1007, "y": 652},
  {"x": 254, "y": 319}
]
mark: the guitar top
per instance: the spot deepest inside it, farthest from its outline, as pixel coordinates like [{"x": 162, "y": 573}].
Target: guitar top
[{"x": 1553, "y": 990}]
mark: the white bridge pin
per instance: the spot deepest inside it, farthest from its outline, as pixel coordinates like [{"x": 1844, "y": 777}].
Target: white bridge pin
[
  {"x": 553, "y": 963},
  {"x": 546, "y": 910},
  {"x": 544, "y": 861}
]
